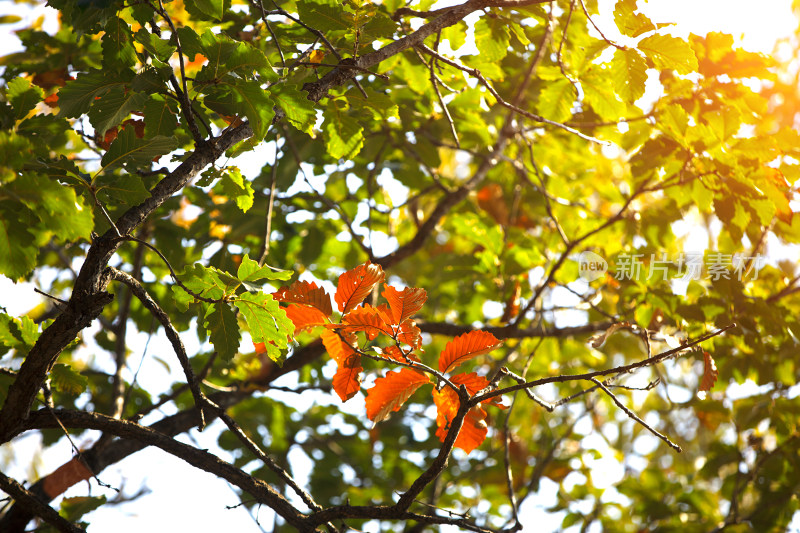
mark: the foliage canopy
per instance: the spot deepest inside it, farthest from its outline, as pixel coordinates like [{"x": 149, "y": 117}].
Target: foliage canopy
[{"x": 492, "y": 202}]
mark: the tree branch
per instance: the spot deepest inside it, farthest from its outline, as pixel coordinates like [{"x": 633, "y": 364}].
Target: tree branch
[{"x": 34, "y": 505}]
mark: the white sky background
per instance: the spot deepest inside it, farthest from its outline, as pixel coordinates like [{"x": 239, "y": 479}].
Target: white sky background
[{"x": 184, "y": 498}]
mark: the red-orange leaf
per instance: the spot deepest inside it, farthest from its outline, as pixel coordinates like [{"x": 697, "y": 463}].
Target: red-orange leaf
[
  {"x": 391, "y": 392},
  {"x": 710, "y": 373},
  {"x": 473, "y": 430},
  {"x": 305, "y": 292},
  {"x": 393, "y": 352},
  {"x": 305, "y": 316},
  {"x": 410, "y": 334},
  {"x": 404, "y": 304},
  {"x": 356, "y": 284},
  {"x": 260, "y": 347},
  {"x": 474, "y": 384},
  {"x": 347, "y": 380},
  {"x": 337, "y": 348},
  {"x": 465, "y": 347},
  {"x": 369, "y": 320}
]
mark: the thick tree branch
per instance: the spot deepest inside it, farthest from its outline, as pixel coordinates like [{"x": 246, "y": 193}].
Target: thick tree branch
[{"x": 35, "y": 506}]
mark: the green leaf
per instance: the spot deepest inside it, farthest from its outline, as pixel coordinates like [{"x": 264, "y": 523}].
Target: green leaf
[
  {"x": 668, "y": 52},
  {"x": 127, "y": 149},
  {"x": 118, "y": 51},
  {"x": 57, "y": 206},
  {"x": 298, "y": 108},
  {"x": 456, "y": 35},
  {"x": 212, "y": 8},
  {"x": 250, "y": 272},
  {"x": 243, "y": 98},
  {"x": 323, "y": 16},
  {"x": 18, "y": 250},
  {"x": 268, "y": 323},
  {"x": 64, "y": 379},
  {"x": 491, "y": 38},
  {"x": 600, "y": 94},
  {"x": 556, "y": 99},
  {"x": 630, "y": 24},
  {"x": 160, "y": 117},
  {"x": 156, "y": 46},
  {"x": 23, "y": 96},
  {"x": 114, "y": 107},
  {"x": 377, "y": 105},
  {"x": 238, "y": 188},
  {"x": 628, "y": 73},
  {"x": 151, "y": 80},
  {"x": 74, "y": 508},
  {"x": 182, "y": 298},
  {"x": 209, "y": 282},
  {"x": 79, "y": 94},
  {"x": 223, "y": 330},
  {"x": 343, "y": 134},
  {"x": 127, "y": 188}
]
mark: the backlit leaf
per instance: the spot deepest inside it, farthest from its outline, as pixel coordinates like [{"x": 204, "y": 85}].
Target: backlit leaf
[
  {"x": 305, "y": 317},
  {"x": 669, "y": 53},
  {"x": 356, "y": 284},
  {"x": 223, "y": 330},
  {"x": 306, "y": 292},
  {"x": 338, "y": 349},
  {"x": 347, "y": 380},
  {"x": 465, "y": 347},
  {"x": 368, "y": 320},
  {"x": 404, "y": 304},
  {"x": 410, "y": 334},
  {"x": 628, "y": 74},
  {"x": 710, "y": 373},
  {"x": 266, "y": 322},
  {"x": 391, "y": 392},
  {"x": 65, "y": 379}
]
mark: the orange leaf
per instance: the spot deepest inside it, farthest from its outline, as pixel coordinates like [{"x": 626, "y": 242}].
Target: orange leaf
[
  {"x": 393, "y": 352},
  {"x": 52, "y": 100},
  {"x": 196, "y": 64},
  {"x": 138, "y": 127},
  {"x": 304, "y": 292},
  {"x": 337, "y": 348},
  {"x": 107, "y": 139},
  {"x": 391, "y": 392},
  {"x": 356, "y": 284},
  {"x": 474, "y": 384},
  {"x": 491, "y": 200},
  {"x": 369, "y": 320},
  {"x": 347, "y": 380},
  {"x": 260, "y": 347},
  {"x": 710, "y": 373},
  {"x": 465, "y": 347},
  {"x": 305, "y": 316},
  {"x": 404, "y": 304},
  {"x": 65, "y": 476},
  {"x": 473, "y": 430},
  {"x": 410, "y": 334},
  {"x": 316, "y": 56}
]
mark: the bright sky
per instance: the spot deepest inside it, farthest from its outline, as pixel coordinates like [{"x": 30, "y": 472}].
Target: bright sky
[{"x": 184, "y": 498}]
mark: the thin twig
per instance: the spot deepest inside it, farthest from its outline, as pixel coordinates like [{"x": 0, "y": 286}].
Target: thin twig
[
  {"x": 633, "y": 415},
  {"x": 172, "y": 334},
  {"x": 538, "y": 118}
]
